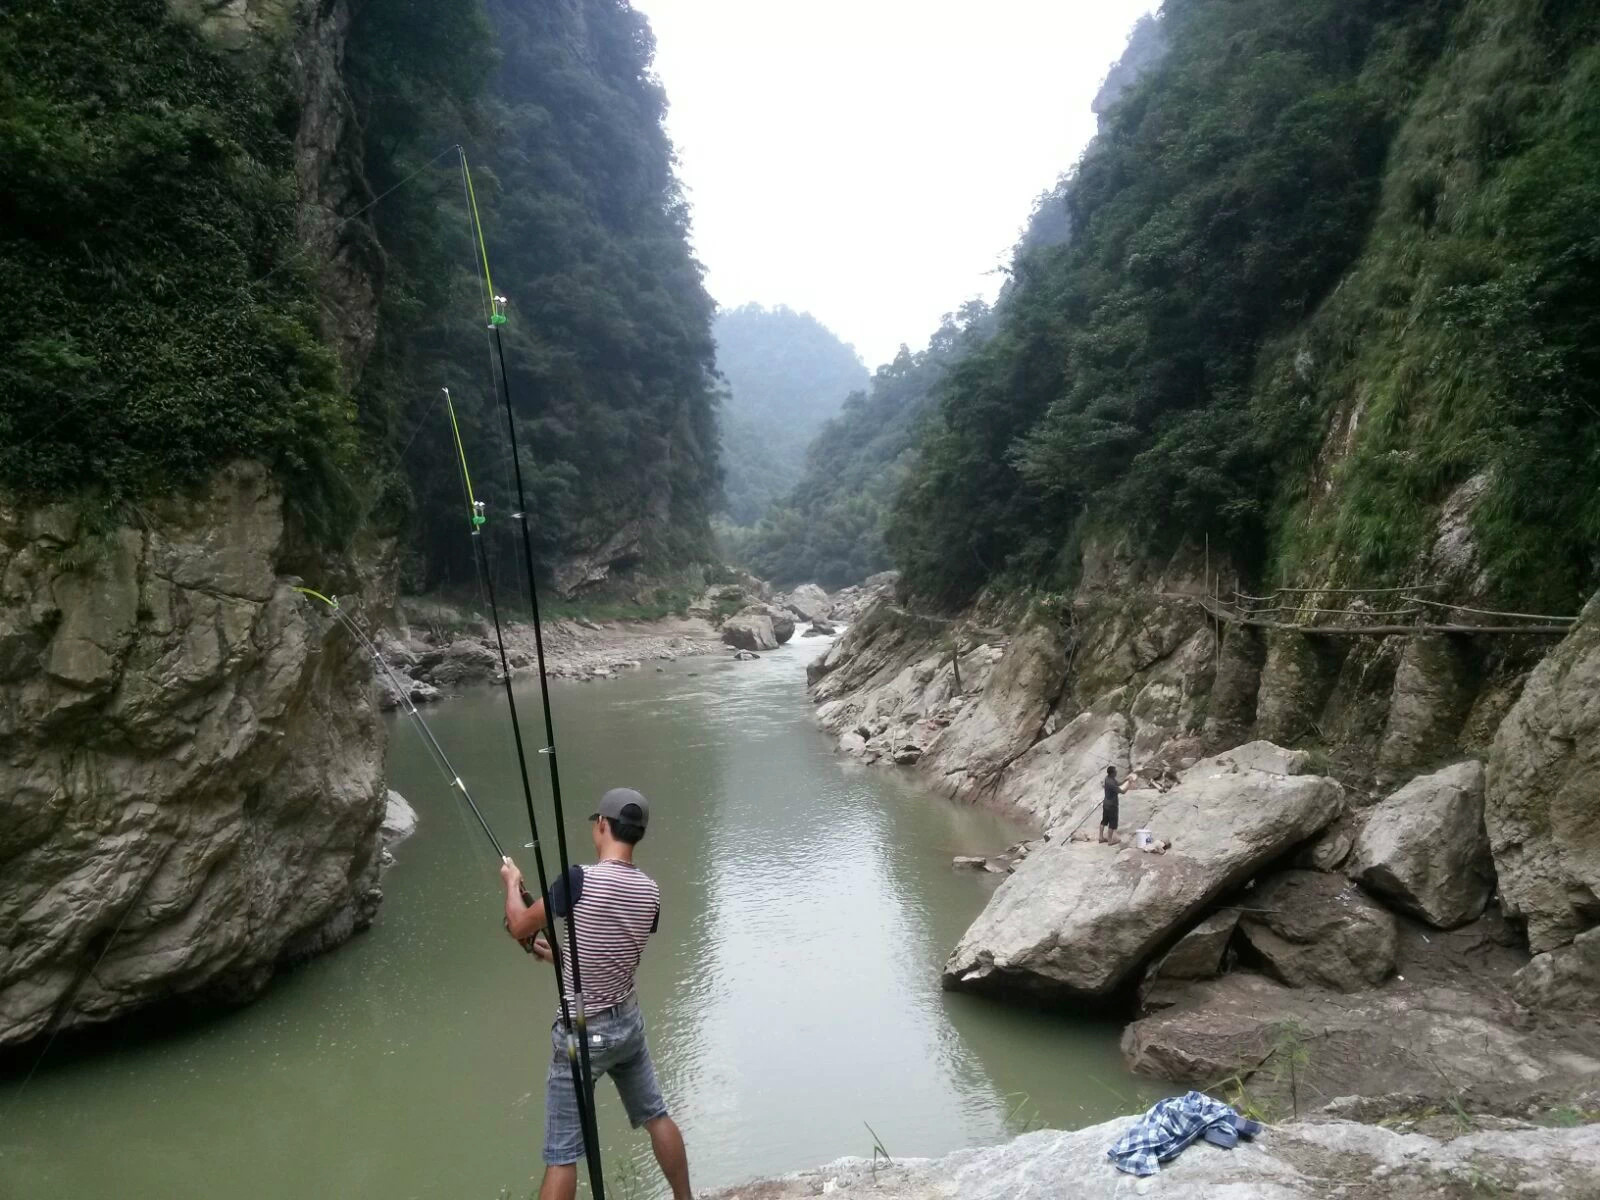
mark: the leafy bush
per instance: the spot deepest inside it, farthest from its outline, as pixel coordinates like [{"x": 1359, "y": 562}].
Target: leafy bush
[{"x": 156, "y": 317}]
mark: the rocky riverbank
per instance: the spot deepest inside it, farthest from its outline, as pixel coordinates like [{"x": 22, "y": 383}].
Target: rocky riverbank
[
  {"x": 1312, "y": 1160},
  {"x": 1405, "y": 903},
  {"x": 435, "y": 648}
]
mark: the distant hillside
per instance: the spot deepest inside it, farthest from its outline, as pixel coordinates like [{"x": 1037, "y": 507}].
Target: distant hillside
[
  {"x": 787, "y": 373},
  {"x": 1329, "y": 291},
  {"x": 830, "y": 527}
]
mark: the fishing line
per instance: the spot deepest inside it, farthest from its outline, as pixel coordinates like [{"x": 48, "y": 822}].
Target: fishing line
[{"x": 441, "y": 760}]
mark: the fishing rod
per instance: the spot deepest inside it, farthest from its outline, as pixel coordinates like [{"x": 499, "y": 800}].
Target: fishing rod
[
  {"x": 582, "y": 1081},
  {"x": 578, "y": 1026},
  {"x": 441, "y": 760}
]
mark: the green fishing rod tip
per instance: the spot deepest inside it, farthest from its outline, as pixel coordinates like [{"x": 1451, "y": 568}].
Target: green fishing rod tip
[
  {"x": 476, "y": 521},
  {"x": 498, "y": 319}
]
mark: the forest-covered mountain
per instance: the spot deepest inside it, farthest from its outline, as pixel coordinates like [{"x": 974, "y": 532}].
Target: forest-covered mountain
[
  {"x": 1332, "y": 269},
  {"x": 786, "y": 373},
  {"x": 164, "y": 310},
  {"x": 829, "y": 526}
]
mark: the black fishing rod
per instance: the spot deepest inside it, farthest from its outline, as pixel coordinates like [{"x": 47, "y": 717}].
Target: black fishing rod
[
  {"x": 582, "y": 1083},
  {"x": 578, "y": 1023},
  {"x": 441, "y": 760}
]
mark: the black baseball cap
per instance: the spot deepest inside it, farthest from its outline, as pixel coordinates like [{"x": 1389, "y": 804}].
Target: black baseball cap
[{"x": 614, "y": 805}]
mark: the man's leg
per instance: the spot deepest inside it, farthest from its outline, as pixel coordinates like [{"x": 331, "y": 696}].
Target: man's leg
[
  {"x": 667, "y": 1143},
  {"x": 563, "y": 1132},
  {"x": 560, "y": 1183},
  {"x": 635, "y": 1077}
]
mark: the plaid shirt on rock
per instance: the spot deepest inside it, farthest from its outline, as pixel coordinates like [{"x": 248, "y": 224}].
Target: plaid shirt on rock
[{"x": 1165, "y": 1130}]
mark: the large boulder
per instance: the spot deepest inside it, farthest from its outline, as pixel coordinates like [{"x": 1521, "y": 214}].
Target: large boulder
[
  {"x": 1539, "y": 804},
  {"x": 782, "y": 623},
  {"x": 1425, "y": 849},
  {"x": 1317, "y": 930},
  {"x": 1565, "y": 978},
  {"x": 809, "y": 600},
  {"x": 399, "y": 820},
  {"x": 1198, "y": 954},
  {"x": 750, "y": 630},
  {"x": 465, "y": 660},
  {"x": 1077, "y": 919}
]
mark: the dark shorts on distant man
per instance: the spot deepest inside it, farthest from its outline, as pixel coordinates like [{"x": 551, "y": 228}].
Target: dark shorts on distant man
[{"x": 1108, "y": 813}]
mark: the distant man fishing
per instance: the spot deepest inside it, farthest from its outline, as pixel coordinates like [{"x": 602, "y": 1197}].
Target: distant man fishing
[
  {"x": 617, "y": 908},
  {"x": 1111, "y": 803}
]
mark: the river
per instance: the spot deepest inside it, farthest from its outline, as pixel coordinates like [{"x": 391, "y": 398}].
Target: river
[{"x": 792, "y": 993}]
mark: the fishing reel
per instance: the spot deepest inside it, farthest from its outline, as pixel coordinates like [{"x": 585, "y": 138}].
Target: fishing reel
[{"x": 526, "y": 943}]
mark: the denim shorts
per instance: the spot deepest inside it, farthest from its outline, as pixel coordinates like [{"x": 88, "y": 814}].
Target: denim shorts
[{"x": 616, "y": 1048}]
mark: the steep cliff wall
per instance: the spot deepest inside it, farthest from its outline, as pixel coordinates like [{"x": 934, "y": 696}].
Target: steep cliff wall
[{"x": 190, "y": 760}]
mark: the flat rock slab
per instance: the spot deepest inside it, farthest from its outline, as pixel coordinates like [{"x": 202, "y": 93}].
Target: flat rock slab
[
  {"x": 1438, "y": 1042},
  {"x": 1291, "y": 1162},
  {"x": 1078, "y": 919}
]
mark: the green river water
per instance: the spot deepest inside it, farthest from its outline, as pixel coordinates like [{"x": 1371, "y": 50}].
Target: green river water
[{"x": 792, "y": 993}]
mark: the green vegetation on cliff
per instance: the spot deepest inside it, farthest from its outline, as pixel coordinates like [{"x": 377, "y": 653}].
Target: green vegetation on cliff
[
  {"x": 609, "y": 340},
  {"x": 787, "y": 373},
  {"x": 829, "y": 528},
  {"x": 1309, "y": 208},
  {"x": 155, "y": 317},
  {"x": 160, "y": 313}
]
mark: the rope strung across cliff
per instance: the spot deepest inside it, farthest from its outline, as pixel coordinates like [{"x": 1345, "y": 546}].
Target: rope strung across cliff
[{"x": 577, "y": 1024}]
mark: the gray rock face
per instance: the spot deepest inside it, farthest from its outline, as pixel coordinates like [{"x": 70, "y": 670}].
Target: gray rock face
[
  {"x": 193, "y": 759},
  {"x": 1540, "y": 806},
  {"x": 1198, "y": 954},
  {"x": 1296, "y": 681},
  {"x": 1434, "y": 687},
  {"x": 1435, "y": 1042},
  {"x": 1425, "y": 848},
  {"x": 1317, "y": 930},
  {"x": 782, "y": 624},
  {"x": 399, "y": 820},
  {"x": 460, "y": 662},
  {"x": 1058, "y": 781},
  {"x": 1077, "y": 919},
  {"x": 1302, "y": 1161},
  {"x": 749, "y": 631},
  {"x": 809, "y": 600},
  {"x": 1008, "y": 716},
  {"x": 1565, "y": 978}
]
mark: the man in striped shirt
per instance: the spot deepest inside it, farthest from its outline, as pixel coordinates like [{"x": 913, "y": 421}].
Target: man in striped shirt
[{"x": 616, "y": 908}]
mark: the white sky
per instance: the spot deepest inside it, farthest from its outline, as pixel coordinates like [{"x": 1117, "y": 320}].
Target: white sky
[{"x": 873, "y": 161}]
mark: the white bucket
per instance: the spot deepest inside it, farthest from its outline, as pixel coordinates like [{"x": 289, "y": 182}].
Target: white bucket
[{"x": 1143, "y": 839}]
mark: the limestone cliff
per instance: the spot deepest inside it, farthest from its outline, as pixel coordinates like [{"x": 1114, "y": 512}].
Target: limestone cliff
[
  {"x": 191, "y": 779},
  {"x": 190, "y": 761}
]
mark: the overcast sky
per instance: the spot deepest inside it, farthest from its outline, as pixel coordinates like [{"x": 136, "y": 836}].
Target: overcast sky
[{"x": 873, "y": 161}]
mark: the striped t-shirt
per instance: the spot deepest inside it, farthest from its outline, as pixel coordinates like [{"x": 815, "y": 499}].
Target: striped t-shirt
[{"x": 618, "y": 908}]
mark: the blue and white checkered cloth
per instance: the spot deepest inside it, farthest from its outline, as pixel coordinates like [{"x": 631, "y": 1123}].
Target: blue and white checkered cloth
[{"x": 1165, "y": 1130}]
